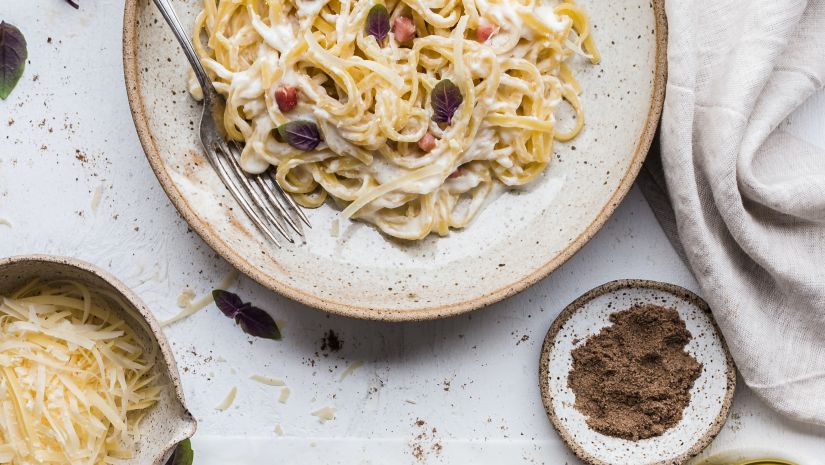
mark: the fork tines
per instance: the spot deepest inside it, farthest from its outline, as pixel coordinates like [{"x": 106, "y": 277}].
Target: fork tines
[{"x": 256, "y": 195}]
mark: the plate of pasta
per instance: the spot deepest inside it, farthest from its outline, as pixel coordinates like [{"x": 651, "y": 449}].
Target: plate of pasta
[{"x": 449, "y": 153}]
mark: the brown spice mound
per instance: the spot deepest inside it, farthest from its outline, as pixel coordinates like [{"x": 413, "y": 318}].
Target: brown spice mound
[{"x": 632, "y": 380}]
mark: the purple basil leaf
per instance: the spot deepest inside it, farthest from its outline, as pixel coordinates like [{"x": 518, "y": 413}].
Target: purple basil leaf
[
  {"x": 229, "y": 303},
  {"x": 303, "y": 135},
  {"x": 378, "y": 22},
  {"x": 13, "y": 54},
  {"x": 445, "y": 98},
  {"x": 251, "y": 319},
  {"x": 258, "y": 323}
]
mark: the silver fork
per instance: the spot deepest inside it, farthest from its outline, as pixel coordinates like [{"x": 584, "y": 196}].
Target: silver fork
[{"x": 255, "y": 193}]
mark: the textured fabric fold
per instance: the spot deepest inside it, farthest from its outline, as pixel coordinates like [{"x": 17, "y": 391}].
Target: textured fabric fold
[{"x": 747, "y": 198}]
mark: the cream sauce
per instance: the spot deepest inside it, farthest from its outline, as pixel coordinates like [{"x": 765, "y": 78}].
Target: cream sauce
[{"x": 547, "y": 15}]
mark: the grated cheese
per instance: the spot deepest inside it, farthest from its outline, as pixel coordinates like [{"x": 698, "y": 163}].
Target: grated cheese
[
  {"x": 96, "y": 197},
  {"x": 228, "y": 400},
  {"x": 278, "y": 430},
  {"x": 325, "y": 414},
  {"x": 355, "y": 365},
  {"x": 74, "y": 378},
  {"x": 186, "y": 296},
  {"x": 190, "y": 308},
  {"x": 284, "y": 395},
  {"x": 267, "y": 380}
]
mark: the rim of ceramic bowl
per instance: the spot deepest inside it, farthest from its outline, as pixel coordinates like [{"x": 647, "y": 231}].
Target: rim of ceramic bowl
[
  {"x": 572, "y": 308},
  {"x": 754, "y": 453},
  {"x": 143, "y": 311},
  {"x": 212, "y": 238}
]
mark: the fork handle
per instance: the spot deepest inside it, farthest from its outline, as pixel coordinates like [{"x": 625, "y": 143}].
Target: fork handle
[{"x": 180, "y": 33}]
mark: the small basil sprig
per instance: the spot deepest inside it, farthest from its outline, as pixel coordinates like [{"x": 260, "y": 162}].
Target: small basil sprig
[
  {"x": 183, "y": 455},
  {"x": 445, "y": 98},
  {"x": 378, "y": 22},
  {"x": 13, "y": 54},
  {"x": 251, "y": 319},
  {"x": 303, "y": 135}
]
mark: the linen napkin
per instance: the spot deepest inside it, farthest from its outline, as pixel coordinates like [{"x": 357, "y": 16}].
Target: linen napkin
[{"x": 747, "y": 198}]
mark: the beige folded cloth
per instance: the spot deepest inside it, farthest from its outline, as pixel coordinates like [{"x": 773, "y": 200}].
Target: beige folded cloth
[{"x": 748, "y": 198}]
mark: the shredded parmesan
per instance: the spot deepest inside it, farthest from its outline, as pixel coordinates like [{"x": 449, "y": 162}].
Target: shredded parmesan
[
  {"x": 185, "y": 298},
  {"x": 228, "y": 400},
  {"x": 278, "y": 430},
  {"x": 4, "y": 222},
  {"x": 284, "y": 395},
  {"x": 325, "y": 414},
  {"x": 191, "y": 308},
  {"x": 7, "y": 453},
  {"x": 267, "y": 380},
  {"x": 96, "y": 197},
  {"x": 75, "y": 380},
  {"x": 355, "y": 365}
]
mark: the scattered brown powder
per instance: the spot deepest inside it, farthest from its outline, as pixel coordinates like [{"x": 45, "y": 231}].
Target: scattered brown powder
[
  {"x": 425, "y": 442},
  {"x": 632, "y": 380},
  {"x": 331, "y": 342},
  {"x": 418, "y": 452}
]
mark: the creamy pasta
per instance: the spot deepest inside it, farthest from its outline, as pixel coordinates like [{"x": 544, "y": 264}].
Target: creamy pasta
[{"x": 408, "y": 112}]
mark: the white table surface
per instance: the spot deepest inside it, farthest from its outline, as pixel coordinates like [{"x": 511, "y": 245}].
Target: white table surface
[{"x": 66, "y": 132}]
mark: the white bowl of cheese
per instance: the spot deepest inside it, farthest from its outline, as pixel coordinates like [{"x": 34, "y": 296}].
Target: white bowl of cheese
[{"x": 86, "y": 375}]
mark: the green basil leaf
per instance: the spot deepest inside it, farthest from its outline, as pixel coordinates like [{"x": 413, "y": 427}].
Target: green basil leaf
[
  {"x": 13, "y": 54},
  {"x": 183, "y": 455}
]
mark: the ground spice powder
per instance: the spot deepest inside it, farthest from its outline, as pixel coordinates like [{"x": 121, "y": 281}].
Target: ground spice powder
[{"x": 632, "y": 380}]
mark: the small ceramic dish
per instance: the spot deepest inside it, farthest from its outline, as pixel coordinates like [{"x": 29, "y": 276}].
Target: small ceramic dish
[
  {"x": 169, "y": 421},
  {"x": 711, "y": 393}
]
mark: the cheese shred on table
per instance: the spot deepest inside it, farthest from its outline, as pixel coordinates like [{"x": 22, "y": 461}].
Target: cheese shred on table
[
  {"x": 228, "y": 400},
  {"x": 75, "y": 381},
  {"x": 267, "y": 380}
]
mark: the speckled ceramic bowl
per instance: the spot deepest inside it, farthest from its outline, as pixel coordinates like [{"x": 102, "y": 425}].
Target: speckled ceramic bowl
[
  {"x": 168, "y": 422},
  {"x": 517, "y": 240},
  {"x": 711, "y": 394}
]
